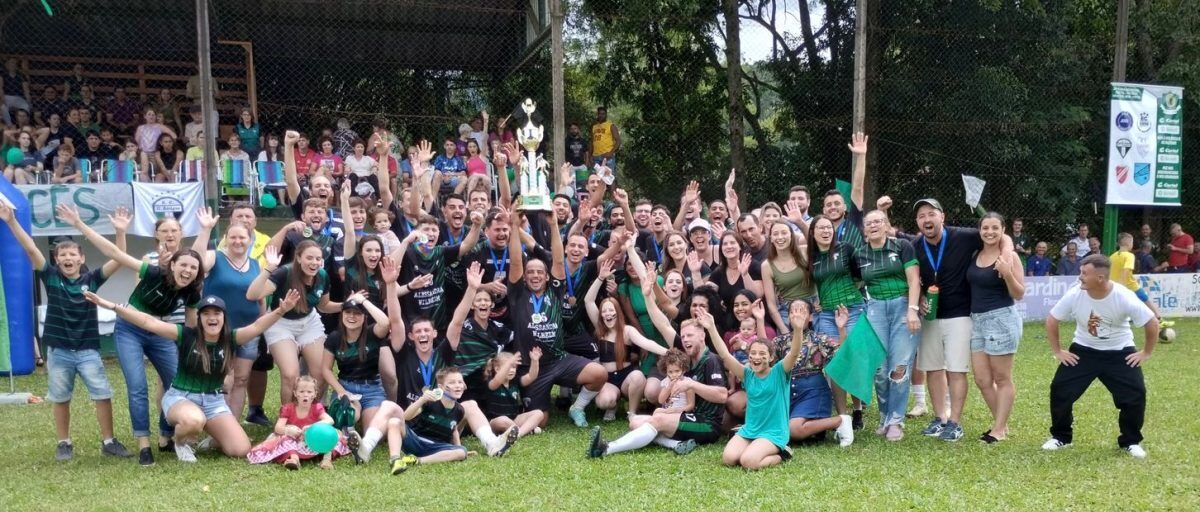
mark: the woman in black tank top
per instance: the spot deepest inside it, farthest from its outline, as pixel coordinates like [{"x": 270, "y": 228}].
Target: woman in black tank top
[{"x": 997, "y": 283}]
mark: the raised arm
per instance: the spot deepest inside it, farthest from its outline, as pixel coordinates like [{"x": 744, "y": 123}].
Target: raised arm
[
  {"x": 390, "y": 271},
  {"x": 289, "y": 166},
  {"x": 207, "y": 221},
  {"x": 512, "y": 154},
  {"x": 420, "y": 168},
  {"x": 35, "y": 256},
  {"x": 535, "y": 358},
  {"x": 660, "y": 320},
  {"x": 691, "y": 194},
  {"x": 593, "y": 291},
  {"x": 251, "y": 332},
  {"x": 474, "y": 282},
  {"x": 135, "y": 317},
  {"x": 731, "y": 196},
  {"x": 516, "y": 260},
  {"x": 558, "y": 269},
  {"x": 262, "y": 286},
  {"x": 349, "y": 237},
  {"x": 789, "y": 360},
  {"x": 472, "y": 238},
  {"x": 732, "y": 366},
  {"x": 71, "y": 216},
  {"x": 858, "y": 146}
]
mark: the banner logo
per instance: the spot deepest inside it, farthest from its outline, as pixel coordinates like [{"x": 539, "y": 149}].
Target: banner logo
[
  {"x": 1123, "y": 146},
  {"x": 1144, "y": 123},
  {"x": 1141, "y": 173},
  {"x": 1124, "y": 121},
  {"x": 1122, "y": 173},
  {"x": 1170, "y": 103}
]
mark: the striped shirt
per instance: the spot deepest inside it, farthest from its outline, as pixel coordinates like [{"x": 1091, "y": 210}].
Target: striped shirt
[
  {"x": 835, "y": 282},
  {"x": 70, "y": 320},
  {"x": 190, "y": 375},
  {"x": 883, "y": 269},
  {"x": 155, "y": 297}
]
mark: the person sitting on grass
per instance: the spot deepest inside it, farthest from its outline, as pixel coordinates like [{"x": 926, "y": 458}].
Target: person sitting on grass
[
  {"x": 503, "y": 405},
  {"x": 431, "y": 432},
  {"x": 811, "y": 394},
  {"x": 673, "y": 364},
  {"x": 286, "y": 444},
  {"x": 194, "y": 402},
  {"x": 71, "y": 332}
]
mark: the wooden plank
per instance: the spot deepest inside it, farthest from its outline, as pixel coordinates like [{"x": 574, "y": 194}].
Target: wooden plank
[{"x": 129, "y": 62}]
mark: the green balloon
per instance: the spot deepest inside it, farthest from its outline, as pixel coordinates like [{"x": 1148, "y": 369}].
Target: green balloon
[
  {"x": 14, "y": 156},
  {"x": 321, "y": 437},
  {"x": 268, "y": 201}
]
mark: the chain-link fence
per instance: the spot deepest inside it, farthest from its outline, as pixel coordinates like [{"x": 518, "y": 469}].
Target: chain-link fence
[{"x": 1012, "y": 93}]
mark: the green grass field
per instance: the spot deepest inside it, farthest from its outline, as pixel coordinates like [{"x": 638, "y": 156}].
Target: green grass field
[{"x": 549, "y": 471}]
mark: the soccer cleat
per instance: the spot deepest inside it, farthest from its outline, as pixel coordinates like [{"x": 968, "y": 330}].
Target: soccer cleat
[
  {"x": 1165, "y": 323},
  {"x": 856, "y": 419},
  {"x": 64, "y": 451},
  {"x": 352, "y": 442},
  {"x": 685, "y": 447},
  {"x": 185, "y": 453},
  {"x": 578, "y": 416},
  {"x": 934, "y": 429},
  {"x": 114, "y": 448},
  {"x": 399, "y": 465},
  {"x": 845, "y": 431},
  {"x": 1054, "y": 444},
  {"x": 597, "y": 447},
  {"x": 146, "y": 457},
  {"x": 917, "y": 411},
  {"x": 510, "y": 438},
  {"x": 951, "y": 432},
  {"x": 1136, "y": 451}
]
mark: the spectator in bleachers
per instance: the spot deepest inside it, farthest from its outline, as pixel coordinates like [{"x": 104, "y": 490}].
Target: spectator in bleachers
[
  {"x": 165, "y": 159},
  {"x": 48, "y": 104},
  {"x": 192, "y": 90},
  {"x": 26, "y": 171},
  {"x": 235, "y": 151},
  {"x": 74, "y": 83},
  {"x": 1068, "y": 263},
  {"x": 249, "y": 132},
  {"x": 1020, "y": 240},
  {"x": 107, "y": 138},
  {"x": 478, "y": 127},
  {"x": 131, "y": 153},
  {"x": 306, "y": 160},
  {"x": 503, "y": 132},
  {"x": 87, "y": 101},
  {"x": 1194, "y": 259},
  {"x": 20, "y": 123},
  {"x": 358, "y": 166},
  {"x": 343, "y": 138},
  {"x": 122, "y": 113},
  {"x": 194, "y": 127},
  {"x": 168, "y": 110},
  {"x": 273, "y": 152},
  {"x": 1181, "y": 248},
  {"x": 66, "y": 167},
  {"x": 329, "y": 160},
  {"x": 1038, "y": 264},
  {"x": 149, "y": 135},
  {"x": 460, "y": 144},
  {"x": 449, "y": 164},
  {"x": 1144, "y": 259},
  {"x": 81, "y": 119},
  {"x": 1081, "y": 242},
  {"x": 1093, "y": 245},
  {"x": 196, "y": 152},
  {"x": 95, "y": 151},
  {"x": 16, "y": 91},
  {"x": 1148, "y": 236},
  {"x": 54, "y": 135}
]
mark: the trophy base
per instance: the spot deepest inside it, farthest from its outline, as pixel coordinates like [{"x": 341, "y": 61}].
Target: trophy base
[{"x": 535, "y": 203}]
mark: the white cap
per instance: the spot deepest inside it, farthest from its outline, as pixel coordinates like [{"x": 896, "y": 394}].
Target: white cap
[{"x": 699, "y": 224}]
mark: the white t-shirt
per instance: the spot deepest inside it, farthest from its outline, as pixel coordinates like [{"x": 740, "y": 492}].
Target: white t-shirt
[
  {"x": 363, "y": 167},
  {"x": 1103, "y": 324}
]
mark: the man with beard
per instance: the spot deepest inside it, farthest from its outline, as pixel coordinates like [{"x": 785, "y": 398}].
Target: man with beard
[
  {"x": 642, "y": 212},
  {"x": 578, "y": 154},
  {"x": 750, "y": 231},
  {"x": 536, "y": 295},
  {"x": 562, "y": 211},
  {"x": 580, "y": 272},
  {"x": 492, "y": 253},
  {"x": 654, "y": 242},
  {"x": 798, "y": 197},
  {"x": 318, "y": 187},
  {"x": 423, "y": 256}
]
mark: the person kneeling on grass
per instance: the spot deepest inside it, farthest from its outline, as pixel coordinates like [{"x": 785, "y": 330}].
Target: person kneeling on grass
[
  {"x": 503, "y": 405},
  {"x": 194, "y": 402},
  {"x": 811, "y": 395},
  {"x": 286, "y": 445}
]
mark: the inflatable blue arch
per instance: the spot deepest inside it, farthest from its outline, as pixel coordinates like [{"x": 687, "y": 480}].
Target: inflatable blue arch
[{"x": 16, "y": 287}]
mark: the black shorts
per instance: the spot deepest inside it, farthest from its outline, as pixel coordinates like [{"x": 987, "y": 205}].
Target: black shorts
[
  {"x": 582, "y": 345},
  {"x": 476, "y": 387},
  {"x": 564, "y": 372},
  {"x": 691, "y": 427},
  {"x": 265, "y": 362},
  {"x": 618, "y": 377}
]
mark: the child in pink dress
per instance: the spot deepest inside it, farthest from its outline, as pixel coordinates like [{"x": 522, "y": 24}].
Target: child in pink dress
[{"x": 286, "y": 445}]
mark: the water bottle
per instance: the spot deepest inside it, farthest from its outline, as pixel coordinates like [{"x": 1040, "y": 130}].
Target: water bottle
[{"x": 931, "y": 297}]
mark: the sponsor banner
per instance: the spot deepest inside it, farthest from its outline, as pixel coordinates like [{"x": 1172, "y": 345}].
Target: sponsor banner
[
  {"x": 153, "y": 201},
  {"x": 1145, "y": 145},
  {"x": 95, "y": 203},
  {"x": 1176, "y": 295}
]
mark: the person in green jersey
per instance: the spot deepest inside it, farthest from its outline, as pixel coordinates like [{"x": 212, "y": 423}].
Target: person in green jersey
[
  {"x": 847, "y": 217},
  {"x": 834, "y": 273},
  {"x": 71, "y": 332},
  {"x": 893, "y": 285},
  {"x": 785, "y": 274},
  {"x": 165, "y": 286},
  {"x": 475, "y": 334},
  {"x": 194, "y": 403}
]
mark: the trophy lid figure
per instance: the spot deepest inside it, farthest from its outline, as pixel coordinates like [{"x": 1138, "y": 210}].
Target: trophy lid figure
[{"x": 535, "y": 193}]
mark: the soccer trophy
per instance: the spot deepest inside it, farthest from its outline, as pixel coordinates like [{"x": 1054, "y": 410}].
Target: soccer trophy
[{"x": 535, "y": 193}]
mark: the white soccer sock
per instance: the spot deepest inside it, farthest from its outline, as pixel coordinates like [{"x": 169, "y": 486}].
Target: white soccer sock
[
  {"x": 918, "y": 391},
  {"x": 486, "y": 436},
  {"x": 666, "y": 442},
  {"x": 370, "y": 439},
  {"x": 634, "y": 439},
  {"x": 585, "y": 397}
]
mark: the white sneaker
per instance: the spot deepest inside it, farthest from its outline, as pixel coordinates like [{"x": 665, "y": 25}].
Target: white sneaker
[
  {"x": 1136, "y": 451},
  {"x": 918, "y": 410},
  {"x": 185, "y": 453},
  {"x": 1053, "y": 444},
  {"x": 845, "y": 431},
  {"x": 205, "y": 444}
]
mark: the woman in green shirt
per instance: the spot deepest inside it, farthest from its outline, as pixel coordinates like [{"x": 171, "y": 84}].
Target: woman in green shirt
[
  {"x": 834, "y": 273},
  {"x": 785, "y": 274},
  {"x": 194, "y": 402}
]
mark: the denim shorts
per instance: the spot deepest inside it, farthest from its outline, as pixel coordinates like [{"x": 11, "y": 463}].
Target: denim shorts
[
  {"x": 62, "y": 365},
  {"x": 213, "y": 404},
  {"x": 371, "y": 391},
  {"x": 996, "y": 332},
  {"x": 811, "y": 398},
  {"x": 418, "y": 446},
  {"x": 248, "y": 350}
]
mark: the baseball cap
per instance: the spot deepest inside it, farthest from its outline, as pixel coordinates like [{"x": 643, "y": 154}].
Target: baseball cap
[
  {"x": 933, "y": 203},
  {"x": 354, "y": 306},
  {"x": 212, "y": 301},
  {"x": 699, "y": 224}
]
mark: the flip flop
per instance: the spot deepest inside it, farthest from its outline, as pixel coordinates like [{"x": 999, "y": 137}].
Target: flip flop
[{"x": 987, "y": 438}]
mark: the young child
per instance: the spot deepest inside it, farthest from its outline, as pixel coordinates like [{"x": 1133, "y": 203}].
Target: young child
[
  {"x": 673, "y": 364},
  {"x": 382, "y": 220},
  {"x": 503, "y": 405},
  {"x": 286, "y": 445},
  {"x": 1123, "y": 263},
  {"x": 747, "y": 333},
  {"x": 72, "y": 334}
]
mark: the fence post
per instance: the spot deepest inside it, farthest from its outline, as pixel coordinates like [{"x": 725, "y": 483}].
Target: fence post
[
  {"x": 557, "y": 108},
  {"x": 733, "y": 77},
  {"x": 1111, "y": 212},
  {"x": 203, "y": 53}
]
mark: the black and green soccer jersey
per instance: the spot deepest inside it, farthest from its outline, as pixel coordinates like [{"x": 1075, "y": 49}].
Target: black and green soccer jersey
[
  {"x": 708, "y": 371},
  {"x": 503, "y": 401},
  {"x": 478, "y": 343},
  {"x": 428, "y": 301},
  {"x": 414, "y": 375},
  {"x": 538, "y": 319},
  {"x": 351, "y": 364},
  {"x": 883, "y": 269},
  {"x": 190, "y": 375},
  {"x": 312, "y": 292},
  {"x": 70, "y": 319},
  {"x": 850, "y": 231},
  {"x": 155, "y": 297},
  {"x": 835, "y": 282},
  {"x": 371, "y": 283},
  {"x": 438, "y": 422}
]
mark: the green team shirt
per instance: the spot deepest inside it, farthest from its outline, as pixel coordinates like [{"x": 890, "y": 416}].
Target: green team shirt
[
  {"x": 70, "y": 319},
  {"x": 478, "y": 343},
  {"x": 883, "y": 269},
  {"x": 835, "y": 282},
  {"x": 708, "y": 371},
  {"x": 190, "y": 375},
  {"x": 438, "y": 422},
  {"x": 850, "y": 231},
  {"x": 428, "y": 301},
  {"x": 155, "y": 297},
  {"x": 312, "y": 293}
]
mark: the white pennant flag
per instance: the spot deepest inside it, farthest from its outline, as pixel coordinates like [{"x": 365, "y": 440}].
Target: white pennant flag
[
  {"x": 974, "y": 187},
  {"x": 152, "y": 201}
]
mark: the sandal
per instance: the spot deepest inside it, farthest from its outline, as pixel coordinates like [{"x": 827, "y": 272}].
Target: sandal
[
  {"x": 987, "y": 438},
  {"x": 292, "y": 464}
]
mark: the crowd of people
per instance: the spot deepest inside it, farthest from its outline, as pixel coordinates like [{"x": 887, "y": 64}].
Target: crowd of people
[
  {"x": 1179, "y": 254},
  {"x": 420, "y": 306}
]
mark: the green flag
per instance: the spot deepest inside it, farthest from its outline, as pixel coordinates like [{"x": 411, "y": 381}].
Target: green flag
[
  {"x": 853, "y": 366},
  {"x": 845, "y": 188}
]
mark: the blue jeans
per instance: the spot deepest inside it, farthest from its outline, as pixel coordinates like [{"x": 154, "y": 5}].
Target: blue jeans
[
  {"x": 134, "y": 345},
  {"x": 62, "y": 365},
  {"x": 826, "y": 323},
  {"x": 889, "y": 319}
]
